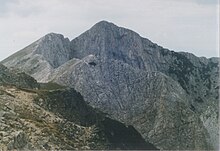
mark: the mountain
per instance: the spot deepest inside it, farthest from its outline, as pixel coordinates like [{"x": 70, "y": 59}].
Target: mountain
[
  {"x": 171, "y": 98},
  {"x": 54, "y": 117},
  {"x": 36, "y": 57}
]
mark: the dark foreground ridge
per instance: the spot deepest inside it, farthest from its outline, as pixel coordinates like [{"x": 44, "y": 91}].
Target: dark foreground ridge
[{"x": 51, "y": 117}]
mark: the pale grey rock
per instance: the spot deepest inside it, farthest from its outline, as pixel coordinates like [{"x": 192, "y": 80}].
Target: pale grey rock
[
  {"x": 40, "y": 58},
  {"x": 168, "y": 97},
  {"x": 62, "y": 69},
  {"x": 54, "y": 48},
  {"x": 210, "y": 120},
  {"x": 19, "y": 142},
  {"x": 197, "y": 76},
  {"x": 156, "y": 105}
]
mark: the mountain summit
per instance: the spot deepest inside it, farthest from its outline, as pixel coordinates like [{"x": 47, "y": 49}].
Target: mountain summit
[{"x": 171, "y": 98}]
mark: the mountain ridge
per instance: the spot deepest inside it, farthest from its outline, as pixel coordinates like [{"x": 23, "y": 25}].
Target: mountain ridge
[
  {"x": 47, "y": 116},
  {"x": 112, "y": 67}
]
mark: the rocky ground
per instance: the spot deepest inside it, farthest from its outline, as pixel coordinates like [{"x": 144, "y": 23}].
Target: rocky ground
[
  {"x": 25, "y": 125},
  {"x": 55, "y": 118}
]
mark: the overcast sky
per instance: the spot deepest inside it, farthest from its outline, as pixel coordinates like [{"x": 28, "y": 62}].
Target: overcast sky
[{"x": 180, "y": 25}]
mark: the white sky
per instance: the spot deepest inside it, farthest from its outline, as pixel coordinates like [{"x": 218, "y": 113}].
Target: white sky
[{"x": 180, "y": 25}]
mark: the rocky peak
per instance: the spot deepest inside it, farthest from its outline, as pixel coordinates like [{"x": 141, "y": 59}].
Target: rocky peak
[
  {"x": 110, "y": 27},
  {"x": 53, "y": 36},
  {"x": 108, "y": 41},
  {"x": 104, "y": 24},
  {"x": 54, "y": 48}
]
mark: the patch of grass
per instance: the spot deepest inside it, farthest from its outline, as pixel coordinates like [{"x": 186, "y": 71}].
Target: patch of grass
[
  {"x": 25, "y": 113},
  {"x": 51, "y": 86}
]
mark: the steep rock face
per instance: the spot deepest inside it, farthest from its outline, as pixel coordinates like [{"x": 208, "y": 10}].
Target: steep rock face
[
  {"x": 41, "y": 57},
  {"x": 157, "y": 106},
  {"x": 108, "y": 41},
  {"x": 55, "y": 49},
  {"x": 123, "y": 74}
]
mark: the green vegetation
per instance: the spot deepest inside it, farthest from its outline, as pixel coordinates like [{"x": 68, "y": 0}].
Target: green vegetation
[{"x": 51, "y": 86}]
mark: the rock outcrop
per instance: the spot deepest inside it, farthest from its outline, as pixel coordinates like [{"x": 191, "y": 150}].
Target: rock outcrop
[
  {"x": 16, "y": 78},
  {"x": 19, "y": 142},
  {"x": 171, "y": 98}
]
